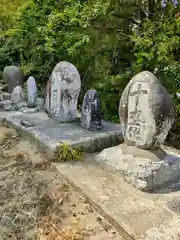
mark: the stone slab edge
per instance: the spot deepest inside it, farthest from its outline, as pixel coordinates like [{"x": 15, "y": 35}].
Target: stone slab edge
[
  {"x": 45, "y": 146},
  {"x": 50, "y": 147},
  {"x": 122, "y": 232}
]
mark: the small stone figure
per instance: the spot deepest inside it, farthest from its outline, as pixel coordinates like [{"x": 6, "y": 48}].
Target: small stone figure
[
  {"x": 32, "y": 92},
  {"x": 62, "y": 92},
  {"x": 146, "y": 112},
  {"x": 13, "y": 77},
  {"x": 17, "y": 94},
  {"x": 90, "y": 113}
]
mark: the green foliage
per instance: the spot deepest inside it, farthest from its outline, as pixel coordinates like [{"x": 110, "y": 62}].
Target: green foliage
[
  {"x": 7, "y": 10},
  {"x": 66, "y": 153},
  {"x": 97, "y": 36},
  {"x": 47, "y": 32},
  {"x": 157, "y": 47}
]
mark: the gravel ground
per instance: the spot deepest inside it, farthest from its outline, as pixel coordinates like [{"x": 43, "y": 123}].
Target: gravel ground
[{"x": 36, "y": 204}]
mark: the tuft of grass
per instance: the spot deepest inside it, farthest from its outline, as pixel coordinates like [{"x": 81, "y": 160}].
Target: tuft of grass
[{"x": 67, "y": 153}]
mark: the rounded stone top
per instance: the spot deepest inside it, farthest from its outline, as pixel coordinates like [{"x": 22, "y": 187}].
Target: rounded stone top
[
  {"x": 67, "y": 72},
  {"x": 13, "y": 76},
  {"x": 31, "y": 78},
  {"x": 146, "y": 111}
]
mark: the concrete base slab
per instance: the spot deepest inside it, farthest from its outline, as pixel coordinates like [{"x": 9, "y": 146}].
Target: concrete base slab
[
  {"x": 143, "y": 173},
  {"x": 135, "y": 214},
  {"x": 4, "y": 114},
  {"x": 46, "y": 133}
]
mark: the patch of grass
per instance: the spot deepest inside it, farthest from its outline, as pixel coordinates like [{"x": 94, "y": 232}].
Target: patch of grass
[{"x": 67, "y": 153}]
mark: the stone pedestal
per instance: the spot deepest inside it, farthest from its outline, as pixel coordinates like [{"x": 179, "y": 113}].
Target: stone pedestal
[
  {"x": 145, "y": 170},
  {"x": 156, "y": 154}
]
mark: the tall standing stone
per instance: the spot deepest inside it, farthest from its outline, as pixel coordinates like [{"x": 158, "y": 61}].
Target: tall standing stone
[
  {"x": 62, "y": 92},
  {"x": 146, "y": 112},
  {"x": 90, "y": 113},
  {"x": 47, "y": 96},
  {"x": 13, "y": 77},
  {"x": 32, "y": 92}
]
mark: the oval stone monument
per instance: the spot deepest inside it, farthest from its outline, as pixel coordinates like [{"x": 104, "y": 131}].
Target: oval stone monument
[
  {"x": 62, "y": 92},
  {"x": 146, "y": 112},
  {"x": 90, "y": 113},
  {"x": 13, "y": 77}
]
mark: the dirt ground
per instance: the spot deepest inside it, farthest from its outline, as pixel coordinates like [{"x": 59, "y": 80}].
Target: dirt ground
[{"x": 36, "y": 204}]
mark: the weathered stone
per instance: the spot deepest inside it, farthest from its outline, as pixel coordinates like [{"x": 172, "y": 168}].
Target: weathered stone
[
  {"x": 5, "y": 103},
  {"x": 40, "y": 102},
  {"x": 13, "y": 77},
  {"x": 29, "y": 110},
  {"x": 27, "y": 123},
  {"x": 32, "y": 92},
  {"x": 6, "y": 96},
  {"x": 48, "y": 134},
  {"x": 17, "y": 95},
  {"x": 47, "y": 96},
  {"x": 156, "y": 154},
  {"x": 90, "y": 113},
  {"x": 8, "y": 107},
  {"x": 62, "y": 92},
  {"x": 146, "y": 170},
  {"x": 146, "y": 112},
  {"x": 19, "y": 105}
]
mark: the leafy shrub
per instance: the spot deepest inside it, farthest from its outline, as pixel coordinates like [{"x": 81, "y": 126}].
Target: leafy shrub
[{"x": 67, "y": 153}]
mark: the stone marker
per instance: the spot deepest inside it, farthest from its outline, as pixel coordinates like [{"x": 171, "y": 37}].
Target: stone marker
[
  {"x": 90, "y": 113},
  {"x": 146, "y": 112},
  {"x": 47, "y": 96},
  {"x": 17, "y": 94},
  {"x": 62, "y": 92},
  {"x": 29, "y": 110},
  {"x": 32, "y": 92},
  {"x": 13, "y": 77}
]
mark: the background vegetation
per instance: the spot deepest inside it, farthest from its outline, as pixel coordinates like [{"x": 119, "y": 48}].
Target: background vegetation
[{"x": 107, "y": 40}]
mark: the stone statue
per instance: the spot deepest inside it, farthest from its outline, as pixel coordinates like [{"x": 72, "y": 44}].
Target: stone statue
[
  {"x": 146, "y": 112},
  {"x": 62, "y": 92},
  {"x": 90, "y": 113}
]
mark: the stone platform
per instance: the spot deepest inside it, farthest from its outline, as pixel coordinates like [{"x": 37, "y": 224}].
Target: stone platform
[
  {"x": 136, "y": 215},
  {"x": 46, "y": 134},
  {"x": 142, "y": 172}
]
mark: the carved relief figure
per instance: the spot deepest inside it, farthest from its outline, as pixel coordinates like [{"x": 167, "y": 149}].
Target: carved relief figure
[
  {"x": 65, "y": 89},
  {"x": 90, "y": 113},
  {"x": 146, "y": 111}
]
